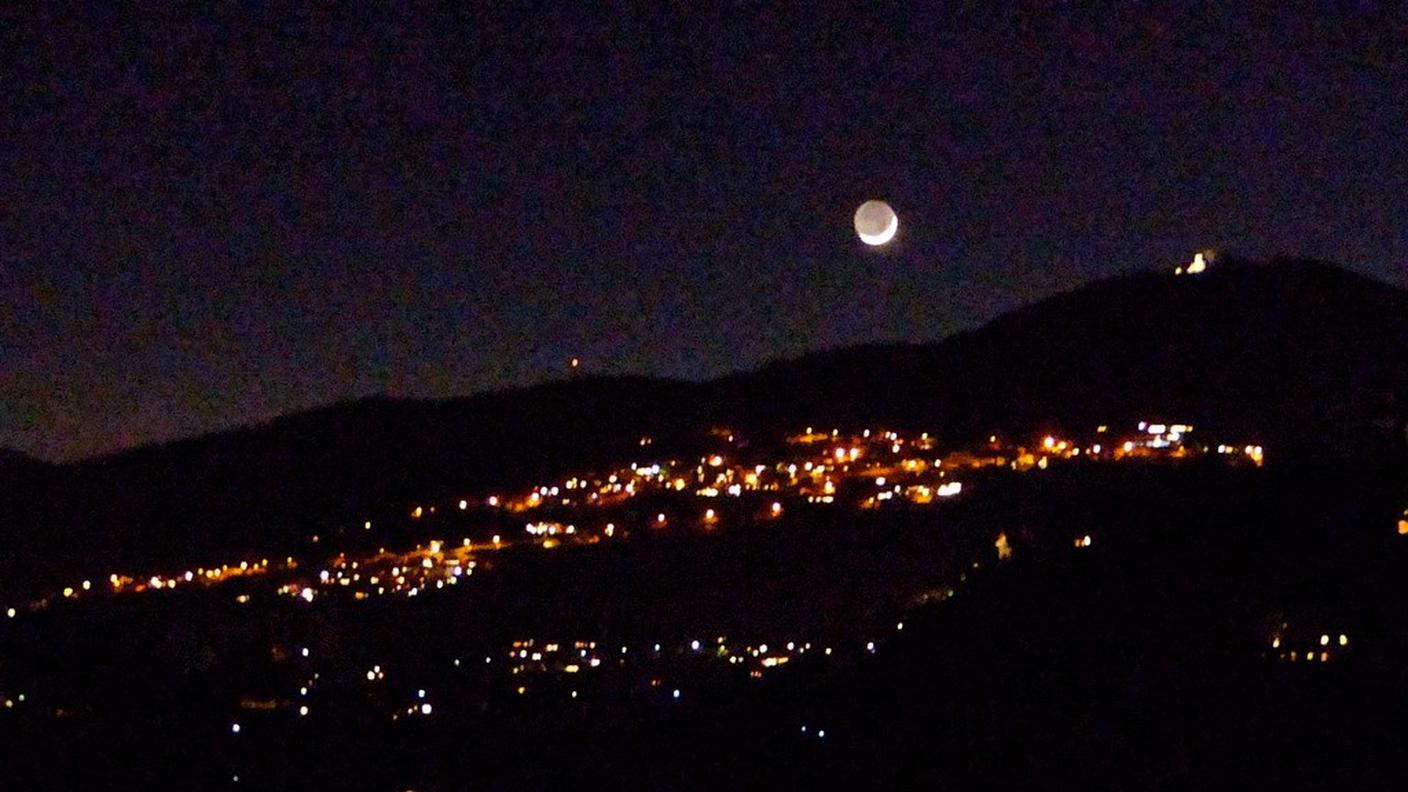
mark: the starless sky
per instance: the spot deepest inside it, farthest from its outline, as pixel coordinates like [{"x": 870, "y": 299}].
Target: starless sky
[{"x": 210, "y": 216}]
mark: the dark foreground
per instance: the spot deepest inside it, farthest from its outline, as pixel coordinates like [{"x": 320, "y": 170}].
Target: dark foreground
[{"x": 1158, "y": 657}]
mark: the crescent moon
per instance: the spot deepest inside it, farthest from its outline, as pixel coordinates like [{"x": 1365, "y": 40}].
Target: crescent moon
[{"x": 884, "y": 236}]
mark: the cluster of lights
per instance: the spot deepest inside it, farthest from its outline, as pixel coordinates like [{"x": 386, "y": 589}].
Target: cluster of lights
[
  {"x": 1318, "y": 651},
  {"x": 875, "y": 468}
]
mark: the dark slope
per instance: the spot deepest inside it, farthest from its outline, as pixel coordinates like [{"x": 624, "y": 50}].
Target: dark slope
[
  {"x": 270, "y": 486},
  {"x": 12, "y": 461},
  {"x": 1289, "y": 353}
]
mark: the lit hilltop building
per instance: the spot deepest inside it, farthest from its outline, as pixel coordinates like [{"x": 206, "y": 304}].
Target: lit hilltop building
[{"x": 1198, "y": 265}]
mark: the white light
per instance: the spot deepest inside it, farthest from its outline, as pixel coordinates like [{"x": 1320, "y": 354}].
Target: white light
[
  {"x": 425, "y": 709},
  {"x": 694, "y": 645},
  {"x": 303, "y": 710},
  {"x": 305, "y": 651},
  {"x": 307, "y": 594},
  {"x": 677, "y": 693},
  {"x": 235, "y": 728},
  {"x": 870, "y": 646},
  {"x": 420, "y": 693}
]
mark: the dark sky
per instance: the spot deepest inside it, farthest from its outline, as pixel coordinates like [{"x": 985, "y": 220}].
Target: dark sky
[{"x": 213, "y": 216}]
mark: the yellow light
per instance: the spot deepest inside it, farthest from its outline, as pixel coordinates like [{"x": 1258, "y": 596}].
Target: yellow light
[
  {"x": 715, "y": 460},
  {"x": 1344, "y": 640},
  {"x": 1049, "y": 442},
  {"x": 68, "y": 591},
  {"x": 10, "y": 613},
  {"x": 1324, "y": 640},
  {"x": 417, "y": 512},
  {"x": 1276, "y": 642}
]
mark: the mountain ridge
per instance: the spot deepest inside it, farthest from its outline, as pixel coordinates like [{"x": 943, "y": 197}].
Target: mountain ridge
[{"x": 1289, "y": 354}]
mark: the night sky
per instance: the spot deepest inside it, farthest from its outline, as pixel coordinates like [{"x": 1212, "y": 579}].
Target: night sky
[{"x": 209, "y": 217}]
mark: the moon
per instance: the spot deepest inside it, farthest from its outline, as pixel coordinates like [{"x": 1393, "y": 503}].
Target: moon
[{"x": 876, "y": 222}]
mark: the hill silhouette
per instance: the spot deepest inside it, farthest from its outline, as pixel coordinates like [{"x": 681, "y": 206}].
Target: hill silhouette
[
  {"x": 1296, "y": 355},
  {"x": 1292, "y": 353}
]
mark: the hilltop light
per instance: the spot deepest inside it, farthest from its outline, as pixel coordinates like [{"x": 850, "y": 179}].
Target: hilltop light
[{"x": 1199, "y": 264}]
